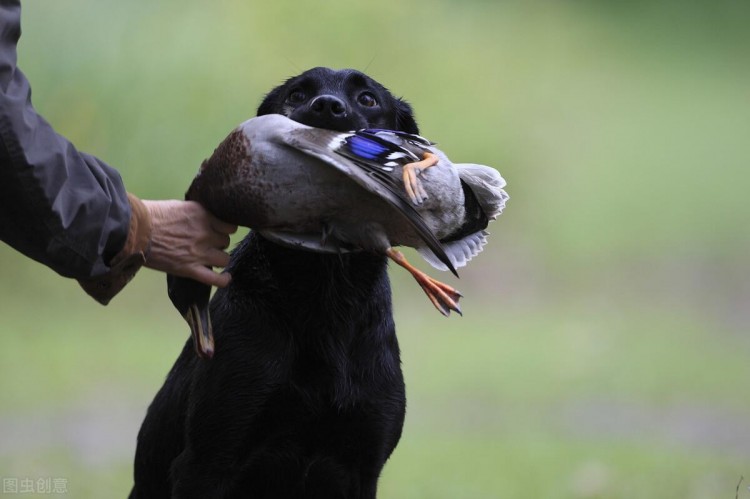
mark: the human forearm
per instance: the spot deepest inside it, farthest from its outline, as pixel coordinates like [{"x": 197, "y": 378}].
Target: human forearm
[{"x": 66, "y": 209}]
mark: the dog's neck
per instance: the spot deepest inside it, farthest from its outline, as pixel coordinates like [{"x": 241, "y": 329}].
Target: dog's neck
[
  {"x": 328, "y": 316},
  {"x": 342, "y": 283}
]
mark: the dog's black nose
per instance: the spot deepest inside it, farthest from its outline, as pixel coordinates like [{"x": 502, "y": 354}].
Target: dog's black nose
[
  {"x": 328, "y": 105},
  {"x": 329, "y": 111}
]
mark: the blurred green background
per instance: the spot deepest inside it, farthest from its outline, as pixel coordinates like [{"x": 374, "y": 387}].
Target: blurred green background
[{"x": 604, "y": 349}]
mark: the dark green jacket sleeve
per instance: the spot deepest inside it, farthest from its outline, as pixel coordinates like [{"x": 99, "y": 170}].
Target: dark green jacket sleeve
[{"x": 63, "y": 208}]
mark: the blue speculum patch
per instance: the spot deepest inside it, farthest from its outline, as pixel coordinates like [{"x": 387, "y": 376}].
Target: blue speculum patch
[{"x": 366, "y": 148}]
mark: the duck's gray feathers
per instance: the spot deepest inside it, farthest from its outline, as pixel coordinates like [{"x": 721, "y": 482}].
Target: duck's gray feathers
[
  {"x": 307, "y": 241},
  {"x": 486, "y": 185}
]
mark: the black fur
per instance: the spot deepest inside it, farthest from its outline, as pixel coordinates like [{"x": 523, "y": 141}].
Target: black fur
[{"x": 304, "y": 397}]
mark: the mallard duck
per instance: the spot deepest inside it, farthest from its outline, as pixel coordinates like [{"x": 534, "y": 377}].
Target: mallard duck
[{"x": 327, "y": 191}]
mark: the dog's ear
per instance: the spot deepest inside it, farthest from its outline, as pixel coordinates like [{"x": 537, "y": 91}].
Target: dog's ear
[
  {"x": 405, "y": 117},
  {"x": 270, "y": 104}
]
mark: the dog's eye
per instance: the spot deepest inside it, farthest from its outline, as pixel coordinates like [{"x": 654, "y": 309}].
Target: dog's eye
[
  {"x": 296, "y": 97},
  {"x": 367, "y": 99}
]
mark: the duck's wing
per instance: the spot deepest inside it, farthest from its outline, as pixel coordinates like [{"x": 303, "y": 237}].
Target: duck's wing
[{"x": 369, "y": 160}]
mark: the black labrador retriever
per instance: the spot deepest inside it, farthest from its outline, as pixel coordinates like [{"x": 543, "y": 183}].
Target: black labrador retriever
[{"x": 304, "y": 397}]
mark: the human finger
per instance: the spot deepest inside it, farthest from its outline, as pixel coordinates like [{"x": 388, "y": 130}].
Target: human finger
[
  {"x": 220, "y": 241},
  {"x": 209, "y": 277},
  {"x": 216, "y": 258}
]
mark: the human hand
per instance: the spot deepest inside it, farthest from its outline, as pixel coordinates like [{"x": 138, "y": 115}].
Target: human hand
[{"x": 186, "y": 240}]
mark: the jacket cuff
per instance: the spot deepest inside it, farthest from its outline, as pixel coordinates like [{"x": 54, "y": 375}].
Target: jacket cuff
[{"x": 128, "y": 261}]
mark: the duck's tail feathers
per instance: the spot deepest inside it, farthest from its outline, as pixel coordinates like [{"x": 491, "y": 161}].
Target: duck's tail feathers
[
  {"x": 459, "y": 252},
  {"x": 487, "y": 184}
]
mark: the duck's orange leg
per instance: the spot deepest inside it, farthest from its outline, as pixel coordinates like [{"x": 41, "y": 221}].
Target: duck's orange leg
[{"x": 444, "y": 297}]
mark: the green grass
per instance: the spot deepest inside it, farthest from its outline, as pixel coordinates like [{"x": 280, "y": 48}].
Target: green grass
[
  {"x": 538, "y": 464},
  {"x": 502, "y": 403},
  {"x": 603, "y": 352}
]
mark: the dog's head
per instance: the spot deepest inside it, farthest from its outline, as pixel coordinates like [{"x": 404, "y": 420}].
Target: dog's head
[{"x": 340, "y": 100}]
